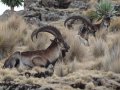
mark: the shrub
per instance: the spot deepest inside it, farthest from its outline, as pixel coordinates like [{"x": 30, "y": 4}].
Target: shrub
[{"x": 104, "y": 8}]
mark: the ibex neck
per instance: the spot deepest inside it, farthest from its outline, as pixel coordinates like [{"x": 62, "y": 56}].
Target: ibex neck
[{"x": 53, "y": 52}]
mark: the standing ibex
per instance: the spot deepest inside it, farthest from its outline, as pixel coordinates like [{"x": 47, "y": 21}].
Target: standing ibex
[
  {"x": 88, "y": 27},
  {"x": 43, "y": 58}
]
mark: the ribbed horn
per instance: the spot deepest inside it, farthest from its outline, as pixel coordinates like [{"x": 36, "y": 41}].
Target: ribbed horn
[
  {"x": 80, "y": 17},
  {"x": 50, "y": 29}
]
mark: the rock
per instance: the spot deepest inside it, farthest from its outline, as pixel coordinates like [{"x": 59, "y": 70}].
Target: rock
[
  {"x": 62, "y": 4},
  {"x": 51, "y": 17},
  {"x": 13, "y": 86},
  {"x": 6, "y": 15},
  {"x": 28, "y": 3},
  {"x": 79, "y": 4},
  {"x": 46, "y": 88},
  {"x": 47, "y": 3}
]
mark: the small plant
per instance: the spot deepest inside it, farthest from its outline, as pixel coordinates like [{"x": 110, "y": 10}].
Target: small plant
[
  {"x": 12, "y": 3},
  {"x": 104, "y": 8}
]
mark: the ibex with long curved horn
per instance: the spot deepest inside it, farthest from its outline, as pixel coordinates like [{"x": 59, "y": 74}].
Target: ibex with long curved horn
[
  {"x": 43, "y": 58},
  {"x": 88, "y": 27}
]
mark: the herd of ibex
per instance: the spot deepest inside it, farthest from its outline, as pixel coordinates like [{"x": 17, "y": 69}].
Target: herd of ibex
[{"x": 58, "y": 47}]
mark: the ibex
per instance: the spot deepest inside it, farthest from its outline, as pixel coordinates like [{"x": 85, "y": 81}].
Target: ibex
[
  {"x": 42, "y": 58},
  {"x": 88, "y": 27}
]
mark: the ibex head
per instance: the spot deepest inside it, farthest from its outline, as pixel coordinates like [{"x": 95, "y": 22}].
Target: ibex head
[
  {"x": 58, "y": 37},
  {"x": 12, "y": 61},
  {"x": 107, "y": 20}
]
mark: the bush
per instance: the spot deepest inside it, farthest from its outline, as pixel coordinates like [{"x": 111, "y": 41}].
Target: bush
[{"x": 104, "y": 8}]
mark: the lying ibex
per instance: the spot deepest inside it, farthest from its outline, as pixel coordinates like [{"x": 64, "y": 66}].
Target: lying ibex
[
  {"x": 43, "y": 58},
  {"x": 88, "y": 27}
]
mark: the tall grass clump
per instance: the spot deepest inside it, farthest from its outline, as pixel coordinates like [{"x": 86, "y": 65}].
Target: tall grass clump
[
  {"x": 115, "y": 25},
  {"x": 62, "y": 69},
  {"x": 99, "y": 48},
  {"x": 102, "y": 34},
  {"x": 112, "y": 58},
  {"x": 12, "y": 33},
  {"x": 77, "y": 50}
]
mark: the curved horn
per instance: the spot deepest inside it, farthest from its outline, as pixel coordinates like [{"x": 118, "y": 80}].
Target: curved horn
[
  {"x": 83, "y": 18},
  {"x": 50, "y": 29}
]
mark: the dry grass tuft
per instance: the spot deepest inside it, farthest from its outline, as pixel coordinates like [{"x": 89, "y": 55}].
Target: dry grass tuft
[
  {"x": 12, "y": 33},
  {"x": 77, "y": 50},
  {"x": 61, "y": 69},
  {"x": 99, "y": 48},
  {"x": 112, "y": 58},
  {"x": 102, "y": 34},
  {"x": 115, "y": 24}
]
